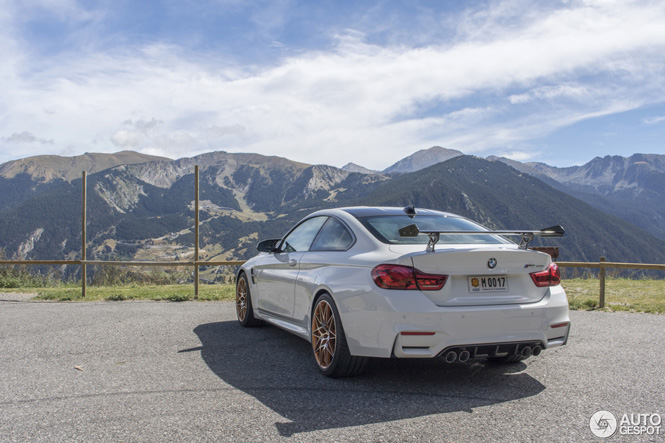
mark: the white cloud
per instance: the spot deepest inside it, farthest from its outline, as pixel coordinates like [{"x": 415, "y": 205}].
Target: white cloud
[
  {"x": 358, "y": 101},
  {"x": 143, "y": 125},
  {"x": 177, "y": 142},
  {"x": 134, "y": 134},
  {"x": 549, "y": 93},
  {"x": 26, "y": 137},
  {"x": 654, "y": 120},
  {"x": 217, "y": 132},
  {"x": 521, "y": 156},
  {"x": 127, "y": 139},
  {"x": 63, "y": 10}
]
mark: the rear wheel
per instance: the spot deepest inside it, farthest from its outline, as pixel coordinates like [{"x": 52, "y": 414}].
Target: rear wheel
[
  {"x": 331, "y": 351},
  {"x": 244, "y": 309}
]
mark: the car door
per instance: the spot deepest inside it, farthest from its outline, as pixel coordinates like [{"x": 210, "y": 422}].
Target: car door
[
  {"x": 276, "y": 275},
  {"x": 326, "y": 259}
]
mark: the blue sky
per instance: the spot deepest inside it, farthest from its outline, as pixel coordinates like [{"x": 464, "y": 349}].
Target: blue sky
[{"x": 333, "y": 81}]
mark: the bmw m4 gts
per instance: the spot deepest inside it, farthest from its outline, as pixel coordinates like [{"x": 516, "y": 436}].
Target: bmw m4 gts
[{"x": 363, "y": 282}]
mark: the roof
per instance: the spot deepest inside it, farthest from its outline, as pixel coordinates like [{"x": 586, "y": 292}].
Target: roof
[{"x": 368, "y": 211}]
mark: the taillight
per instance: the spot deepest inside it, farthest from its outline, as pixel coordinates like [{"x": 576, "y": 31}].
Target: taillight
[
  {"x": 429, "y": 282},
  {"x": 551, "y": 276},
  {"x": 406, "y": 277},
  {"x": 394, "y": 277}
]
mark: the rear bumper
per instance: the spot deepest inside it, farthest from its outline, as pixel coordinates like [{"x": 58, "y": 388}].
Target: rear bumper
[{"x": 410, "y": 327}]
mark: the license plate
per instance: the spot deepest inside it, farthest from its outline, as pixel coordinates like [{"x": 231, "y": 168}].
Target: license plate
[{"x": 488, "y": 283}]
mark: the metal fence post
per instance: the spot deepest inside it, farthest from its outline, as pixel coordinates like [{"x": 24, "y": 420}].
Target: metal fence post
[
  {"x": 84, "y": 268},
  {"x": 196, "y": 231},
  {"x": 602, "y": 282}
]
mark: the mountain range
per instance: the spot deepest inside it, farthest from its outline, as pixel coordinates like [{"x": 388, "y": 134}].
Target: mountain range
[
  {"x": 632, "y": 188},
  {"x": 141, "y": 207}
]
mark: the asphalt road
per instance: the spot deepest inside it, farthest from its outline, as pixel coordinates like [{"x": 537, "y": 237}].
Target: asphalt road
[{"x": 154, "y": 371}]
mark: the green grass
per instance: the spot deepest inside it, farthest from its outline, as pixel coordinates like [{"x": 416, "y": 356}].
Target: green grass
[
  {"x": 621, "y": 294},
  {"x": 132, "y": 292},
  {"x": 642, "y": 295}
]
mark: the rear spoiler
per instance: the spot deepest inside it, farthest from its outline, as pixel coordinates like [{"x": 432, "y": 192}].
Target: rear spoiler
[{"x": 527, "y": 235}]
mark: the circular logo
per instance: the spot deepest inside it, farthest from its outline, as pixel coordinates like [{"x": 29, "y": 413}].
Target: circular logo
[
  {"x": 491, "y": 263},
  {"x": 603, "y": 424}
]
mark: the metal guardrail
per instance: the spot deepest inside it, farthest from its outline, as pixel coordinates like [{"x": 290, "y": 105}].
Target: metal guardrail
[{"x": 609, "y": 264}]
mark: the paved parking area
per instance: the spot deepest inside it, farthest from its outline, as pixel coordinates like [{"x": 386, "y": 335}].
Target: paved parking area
[{"x": 149, "y": 371}]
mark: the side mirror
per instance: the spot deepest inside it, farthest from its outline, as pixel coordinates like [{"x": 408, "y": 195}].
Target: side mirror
[{"x": 268, "y": 245}]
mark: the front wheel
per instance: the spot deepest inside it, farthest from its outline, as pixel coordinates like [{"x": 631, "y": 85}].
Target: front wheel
[
  {"x": 244, "y": 309},
  {"x": 331, "y": 352}
]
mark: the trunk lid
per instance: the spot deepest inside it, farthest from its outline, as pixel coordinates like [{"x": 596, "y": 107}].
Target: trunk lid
[{"x": 482, "y": 276}]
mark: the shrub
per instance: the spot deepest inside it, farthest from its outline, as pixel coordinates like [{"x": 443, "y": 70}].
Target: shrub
[{"x": 8, "y": 281}]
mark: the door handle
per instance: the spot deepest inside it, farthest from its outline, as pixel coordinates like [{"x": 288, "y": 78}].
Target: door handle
[{"x": 292, "y": 263}]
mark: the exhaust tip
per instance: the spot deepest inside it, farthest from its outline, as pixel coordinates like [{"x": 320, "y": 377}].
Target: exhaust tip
[
  {"x": 526, "y": 351},
  {"x": 464, "y": 356},
  {"x": 536, "y": 351},
  {"x": 451, "y": 356}
]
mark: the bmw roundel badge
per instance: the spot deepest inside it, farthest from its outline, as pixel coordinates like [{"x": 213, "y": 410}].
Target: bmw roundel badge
[{"x": 491, "y": 263}]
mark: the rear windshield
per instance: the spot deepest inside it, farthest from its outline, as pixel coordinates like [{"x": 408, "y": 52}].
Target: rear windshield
[{"x": 386, "y": 229}]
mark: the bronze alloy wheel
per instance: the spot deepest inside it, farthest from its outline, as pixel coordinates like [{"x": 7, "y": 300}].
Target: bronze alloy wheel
[
  {"x": 244, "y": 308},
  {"x": 324, "y": 334},
  {"x": 241, "y": 299}
]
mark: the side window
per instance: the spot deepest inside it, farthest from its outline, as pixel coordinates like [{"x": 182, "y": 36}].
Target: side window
[
  {"x": 333, "y": 237},
  {"x": 302, "y": 236}
]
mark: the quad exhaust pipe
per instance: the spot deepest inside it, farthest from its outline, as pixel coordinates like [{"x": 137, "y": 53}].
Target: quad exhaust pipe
[{"x": 525, "y": 350}]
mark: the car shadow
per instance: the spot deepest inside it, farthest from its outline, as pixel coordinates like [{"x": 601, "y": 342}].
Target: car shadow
[{"x": 277, "y": 368}]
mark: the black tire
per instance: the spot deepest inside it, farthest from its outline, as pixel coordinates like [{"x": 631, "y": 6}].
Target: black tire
[
  {"x": 244, "y": 310},
  {"x": 329, "y": 346}
]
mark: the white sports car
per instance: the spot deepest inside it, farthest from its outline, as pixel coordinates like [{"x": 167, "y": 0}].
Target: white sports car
[{"x": 364, "y": 282}]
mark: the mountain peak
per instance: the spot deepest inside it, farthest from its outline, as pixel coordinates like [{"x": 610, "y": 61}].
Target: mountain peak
[
  {"x": 352, "y": 167},
  {"x": 46, "y": 168},
  {"x": 423, "y": 159}
]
